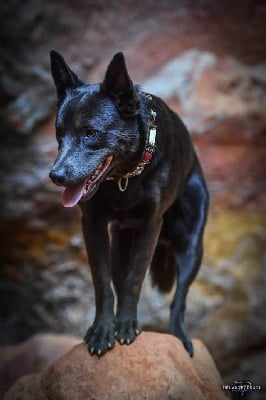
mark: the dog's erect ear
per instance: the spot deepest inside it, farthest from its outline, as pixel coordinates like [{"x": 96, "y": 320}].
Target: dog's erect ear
[
  {"x": 117, "y": 79},
  {"x": 63, "y": 77},
  {"x": 118, "y": 85}
]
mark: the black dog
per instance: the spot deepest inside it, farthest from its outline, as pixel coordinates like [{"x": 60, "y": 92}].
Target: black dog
[{"x": 128, "y": 160}]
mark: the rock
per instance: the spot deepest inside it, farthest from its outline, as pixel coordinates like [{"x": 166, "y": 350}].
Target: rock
[
  {"x": 218, "y": 90},
  {"x": 44, "y": 264},
  {"x": 195, "y": 78},
  {"x": 226, "y": 303},
  {"x": 47, "y": 246},
  {"x": 27, "y": 388},
  {"x": 31, "y": 356},
  {"x": 155, "y": 367},
  {"x": 222, "y": 101}
]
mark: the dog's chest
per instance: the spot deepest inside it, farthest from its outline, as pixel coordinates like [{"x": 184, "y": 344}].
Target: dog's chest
[{"x": 128, "y": 208}]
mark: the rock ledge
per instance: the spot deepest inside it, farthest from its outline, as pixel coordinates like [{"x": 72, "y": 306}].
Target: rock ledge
[{"x": 154, "y": 367}]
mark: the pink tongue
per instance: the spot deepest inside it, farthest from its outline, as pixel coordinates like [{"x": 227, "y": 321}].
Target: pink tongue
[{"x": 72, "y": 194}]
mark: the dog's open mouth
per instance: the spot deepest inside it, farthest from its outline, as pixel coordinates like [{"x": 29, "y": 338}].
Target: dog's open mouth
[{"x": 75, "y": 192}]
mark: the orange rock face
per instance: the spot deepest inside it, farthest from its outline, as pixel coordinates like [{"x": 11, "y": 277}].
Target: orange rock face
[{"x": 154, "y": 367}]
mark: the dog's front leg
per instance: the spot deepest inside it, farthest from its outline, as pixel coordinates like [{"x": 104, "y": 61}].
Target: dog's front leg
[
  {"x": 101, "y": 335},
  {"x": 128, "y": 279}
]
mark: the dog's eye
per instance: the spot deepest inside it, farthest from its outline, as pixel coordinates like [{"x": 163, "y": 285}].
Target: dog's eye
[{"x": 90, "y": 133}]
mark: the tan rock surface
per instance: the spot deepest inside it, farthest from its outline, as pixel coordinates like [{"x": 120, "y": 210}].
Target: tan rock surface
[
  {"x": 31, "y": 356},
  {"x": 154, "y": 367}
]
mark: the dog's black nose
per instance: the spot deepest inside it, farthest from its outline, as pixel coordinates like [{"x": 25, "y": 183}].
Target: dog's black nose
[{"x": 58, "y": 177}]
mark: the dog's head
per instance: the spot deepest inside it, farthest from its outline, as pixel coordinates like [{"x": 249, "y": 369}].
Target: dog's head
[{"x": 96, "y": 128}]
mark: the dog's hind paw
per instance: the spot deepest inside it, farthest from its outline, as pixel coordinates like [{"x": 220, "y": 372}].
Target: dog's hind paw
[
  {"x": 100, "y": 337},
  {"x": 126, "y": 331},
  {"x": 189, "y": 347}
]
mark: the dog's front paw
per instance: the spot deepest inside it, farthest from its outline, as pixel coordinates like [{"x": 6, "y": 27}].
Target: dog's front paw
[
  {"x": 126, "y": 331},
  {"x": 100, "y": 337}
]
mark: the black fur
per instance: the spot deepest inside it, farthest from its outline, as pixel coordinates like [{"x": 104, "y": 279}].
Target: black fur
[{"x": 157, "y": 222}]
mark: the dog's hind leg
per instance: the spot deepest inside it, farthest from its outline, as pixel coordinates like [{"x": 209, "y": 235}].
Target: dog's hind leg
[
  {"x": 163, "y": 270},
  {"x": 185, "y": 224}
]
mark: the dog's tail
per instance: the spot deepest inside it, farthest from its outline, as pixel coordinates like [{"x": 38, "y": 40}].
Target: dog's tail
[{"x": 163, "y": 269}]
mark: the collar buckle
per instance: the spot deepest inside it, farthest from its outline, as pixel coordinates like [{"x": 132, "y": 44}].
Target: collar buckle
[{"x": 122, "y": 183}]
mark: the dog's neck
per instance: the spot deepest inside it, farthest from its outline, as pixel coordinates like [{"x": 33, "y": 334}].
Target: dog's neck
[{"x": 147, "y": 153}]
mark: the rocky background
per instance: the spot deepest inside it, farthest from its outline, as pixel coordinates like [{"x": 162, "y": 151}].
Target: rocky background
[{"x": 208, "y": 61}]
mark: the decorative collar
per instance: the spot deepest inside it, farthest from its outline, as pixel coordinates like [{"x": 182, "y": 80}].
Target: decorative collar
[{"x": 147, "y": 154}]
